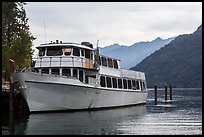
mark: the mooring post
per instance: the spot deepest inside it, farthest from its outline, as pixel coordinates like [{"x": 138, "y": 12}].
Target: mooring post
[
  {"x": 165, "y": 92},
  {"x": 170, "y": 92},
  {"x": 155, "y": 94},
  {"x": 11, "y": 108}
]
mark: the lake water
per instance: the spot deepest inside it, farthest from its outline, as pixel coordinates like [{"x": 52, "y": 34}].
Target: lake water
[{"x": 181, "y": 116}]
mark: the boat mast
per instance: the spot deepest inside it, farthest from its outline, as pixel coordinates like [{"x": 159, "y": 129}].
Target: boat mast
[{"x": 97, "y": 56}]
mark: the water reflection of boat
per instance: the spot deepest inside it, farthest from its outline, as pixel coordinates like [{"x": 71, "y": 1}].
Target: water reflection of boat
[
  {"x": 71, "y": 76},
  {"x": 83, "y": 122}
]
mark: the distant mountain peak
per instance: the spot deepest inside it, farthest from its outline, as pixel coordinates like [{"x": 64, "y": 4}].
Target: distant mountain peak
[
  {"x": 133, "y": 54},
  {"x": 158, "y": 38}
]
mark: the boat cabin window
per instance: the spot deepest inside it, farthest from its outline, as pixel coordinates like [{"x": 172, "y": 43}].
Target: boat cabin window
[
  {"x": 41, "y": 52},
  {"x": 66, "y": 72},
  {"x": 75, "y": 73},
  {"x": 67, "y": 51},
  {"x": 110, "y": 63},
  {"x": 120, "y": 83},
  {"x": 141, "y": 85},
  {"x": 129, "y": 84},
  {"x": 36, "y": 70},
  {"x": 108, "y": 81},
  {"x": 46, "y": 71},
  {"x": 144, "y": 86},
  {"x": 76, "y": 51},
  {"x": 115, "y": 64},
  {"x": 114, "y": 80},
  {"x": 137, "y": 85},
  {"x": 81, "y": 75},
  {"x": 102, "y": 81},
  {"x": 133, "y": 85},
  {"x": 54, "y": 51},
  {"x": 104, "y": 61},
  {"x": 55, "y": 71},
  {"x": 88, "y": 54},
  {"x": 82, "y": 52},
  {"x": 125, "y": 83}
]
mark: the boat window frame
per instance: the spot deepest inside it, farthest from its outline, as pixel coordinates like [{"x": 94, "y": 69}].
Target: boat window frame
[
  {"x": 120, "y": 83},
  {"x": 144, "y": 85},
  {"x": 129, "y": 83},
  {"x": 110, "y": 62},
  {"x": 54, "y": 51},
  {"x": 141, "y": 85},
  {"x": 56, "y": 71},
  {"x": 41, "y": 50},
  {"x": 70, "y": 48},
  {"x": 103, "y": 81},
  {"x": 66, "y": 74},
  {"x": 134, "y": 85},
  {"x": 75, "y": 73},
  {"x": 137, "y": 85},
  {"x": 114, "y": 82},
  {"x": 115, "y": 64},
  {"x": 125, "y": 86},
  {"x": 87, "y": 54},
  {"x": 81, "y": 76},
  {"x": 43, "y": 71},
  {"x": 76, "y": 51},
  {"x": 104, "y": 61},
  {"x": 82, "y": 52},
  {"x": 108, "y": 82}
]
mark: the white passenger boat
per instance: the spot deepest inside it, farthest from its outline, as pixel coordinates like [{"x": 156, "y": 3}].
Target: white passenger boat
[{"x": 71, "y": 76}]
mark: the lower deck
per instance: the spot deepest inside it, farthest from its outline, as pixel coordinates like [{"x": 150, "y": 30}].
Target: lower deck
[{"x": 93, "y": 77}]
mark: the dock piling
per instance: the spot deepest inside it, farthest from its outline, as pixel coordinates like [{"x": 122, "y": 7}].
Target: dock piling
[
  {"x": 165, "y": 91},
  {"x": 170, "y": 92},
  {"x": 155, "y": 94}
]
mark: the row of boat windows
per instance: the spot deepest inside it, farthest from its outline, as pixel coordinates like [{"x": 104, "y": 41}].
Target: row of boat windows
[
  {"x": 108, "y": 62},
  {"x": 105, "y": 81},
  {"x": 121, "y": 83},
  {"x": 67, "y": 51},
  {"x": 65, "y": 72}
]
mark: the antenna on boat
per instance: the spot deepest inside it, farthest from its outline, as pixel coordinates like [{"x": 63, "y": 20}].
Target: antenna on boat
[
  {"x": 97, "y": 63},
  {"x": 97, "y": 45},
  {"x": 45, "y": 31}
]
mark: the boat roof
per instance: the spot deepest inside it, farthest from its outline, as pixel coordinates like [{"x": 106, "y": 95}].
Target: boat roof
[{"x": 67, "y": 44}]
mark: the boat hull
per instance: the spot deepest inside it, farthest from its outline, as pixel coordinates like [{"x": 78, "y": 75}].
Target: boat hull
[{"x": 51, "y": 93}]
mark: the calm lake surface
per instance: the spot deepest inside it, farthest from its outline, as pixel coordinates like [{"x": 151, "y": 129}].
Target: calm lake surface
[{"x": 182, "y": 116}]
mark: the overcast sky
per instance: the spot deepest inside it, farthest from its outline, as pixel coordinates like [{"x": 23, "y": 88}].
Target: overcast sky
[{"x": 124, "y": 23}]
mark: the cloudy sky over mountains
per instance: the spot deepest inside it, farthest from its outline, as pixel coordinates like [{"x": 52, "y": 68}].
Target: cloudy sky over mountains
[{"x": 111, "y": 22}]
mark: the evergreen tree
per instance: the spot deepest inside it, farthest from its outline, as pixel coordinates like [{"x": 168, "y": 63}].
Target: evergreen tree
[{"x": 16, "y": 38}]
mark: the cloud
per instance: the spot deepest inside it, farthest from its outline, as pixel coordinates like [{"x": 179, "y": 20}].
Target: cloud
[{"x": 111, "y": 22}]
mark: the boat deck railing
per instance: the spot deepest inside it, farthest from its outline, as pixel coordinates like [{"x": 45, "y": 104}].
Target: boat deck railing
[{"x": 64, "y": 61}]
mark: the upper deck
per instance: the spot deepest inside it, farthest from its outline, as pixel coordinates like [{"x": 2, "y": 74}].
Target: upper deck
[{"x": 58, "y": 54}]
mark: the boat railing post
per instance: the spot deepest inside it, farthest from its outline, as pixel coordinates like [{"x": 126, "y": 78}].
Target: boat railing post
[
  {"x": 73, "y": 61},
  {"x": 50, "y": 61},
  {"x": 60, "y": 61},
  {"x": 41, "y": 62},
  {"x": 82, "y": 62}
]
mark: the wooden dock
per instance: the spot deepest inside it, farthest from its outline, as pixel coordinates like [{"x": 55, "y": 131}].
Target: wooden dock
[{"x": 19, "y": 104}]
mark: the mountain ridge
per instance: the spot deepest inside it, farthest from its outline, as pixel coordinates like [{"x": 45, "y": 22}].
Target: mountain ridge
[
  {"x": 178, "y": 63},
  {"x": 129, "y": 55}
]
